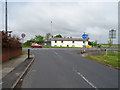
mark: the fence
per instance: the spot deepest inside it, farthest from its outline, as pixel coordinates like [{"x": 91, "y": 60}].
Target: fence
[{"x": 8, "y": 53}]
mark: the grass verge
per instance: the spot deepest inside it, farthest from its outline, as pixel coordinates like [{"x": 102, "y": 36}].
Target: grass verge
[
  {"x": 111, "y": 59},
  {"x": 24, "y": 52}
]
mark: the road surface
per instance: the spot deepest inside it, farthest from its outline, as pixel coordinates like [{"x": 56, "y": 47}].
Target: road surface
[{"x": 64, "y": 68}]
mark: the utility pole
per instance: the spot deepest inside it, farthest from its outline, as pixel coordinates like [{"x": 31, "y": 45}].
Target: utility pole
[
  {"x": 51, "y": 26},
  {"x": 6, "y": 16}
]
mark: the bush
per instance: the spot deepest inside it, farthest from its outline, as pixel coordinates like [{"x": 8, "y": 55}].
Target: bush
[{"x": 9, "y": 42}]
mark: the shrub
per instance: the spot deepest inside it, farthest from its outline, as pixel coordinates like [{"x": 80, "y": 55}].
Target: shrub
[{"x": 9, "y": 42}]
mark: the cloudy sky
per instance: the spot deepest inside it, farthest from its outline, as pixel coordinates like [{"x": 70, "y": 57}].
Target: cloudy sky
[{"x": 69, "y": 18}]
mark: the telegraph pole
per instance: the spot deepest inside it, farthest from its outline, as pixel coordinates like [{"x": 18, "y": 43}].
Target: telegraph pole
[
  {"x": 51, "y": 26},
  {"x": 6, "y": 16}
]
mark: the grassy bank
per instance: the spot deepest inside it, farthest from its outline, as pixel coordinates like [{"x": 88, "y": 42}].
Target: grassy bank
[
  {"x": 111, "y": 59},
  {"x": 25, "y": 46},
  {"x": 114, "y": 45},
  {"x": 24, "y": 52}
]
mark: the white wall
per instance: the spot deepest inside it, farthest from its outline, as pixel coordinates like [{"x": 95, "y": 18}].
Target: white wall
[{"x": 70, "y": 43}]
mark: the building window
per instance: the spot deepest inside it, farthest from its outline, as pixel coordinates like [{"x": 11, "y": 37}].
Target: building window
[
  {"x": 55, "y": 45},
  {"x": 60, "y": 45},
  {"x": 61, "y": 41},
  {"x": 55, "y": 41},
  {"x": 72, "y": 41},
  {"x": 67, "y": 45}
]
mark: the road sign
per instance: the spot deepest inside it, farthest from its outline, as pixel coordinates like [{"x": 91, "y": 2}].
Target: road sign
[
  {"x": 84, "y": 36},
  {"x": 112, "y": 34},
  {"x": 23, "y": 35}
]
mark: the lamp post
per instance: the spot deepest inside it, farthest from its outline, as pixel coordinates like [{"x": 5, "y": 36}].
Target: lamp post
[
  {"x": 51, "y": 26},
  {"x": 6, "y": 16}
]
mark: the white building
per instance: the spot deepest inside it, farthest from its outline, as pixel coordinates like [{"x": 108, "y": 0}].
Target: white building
[{"x": 69, "y": 42}]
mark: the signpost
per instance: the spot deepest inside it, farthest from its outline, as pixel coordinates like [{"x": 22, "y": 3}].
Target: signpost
[
  {"x": 85, "y": 36},
  {"x": 112, "y": 35},
  {"x": 23, "y": 36}
]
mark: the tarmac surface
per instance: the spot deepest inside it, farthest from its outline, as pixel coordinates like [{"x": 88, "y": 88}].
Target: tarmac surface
[
  {"x": 13, "y": 69},
  {"x": 64, "y": 68},
  {"x": 8, "y": 66}
]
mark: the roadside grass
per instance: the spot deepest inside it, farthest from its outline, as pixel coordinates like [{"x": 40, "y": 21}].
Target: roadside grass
[
  {"x": 25, "y": 46},
  {"x": 24, "y": 52},
  {"x": 111, "y": 59},
  {"x": 114, "y": 45}
]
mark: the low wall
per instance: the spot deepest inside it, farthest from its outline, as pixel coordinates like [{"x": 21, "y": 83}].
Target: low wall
[{"x": 8, "y": 53}]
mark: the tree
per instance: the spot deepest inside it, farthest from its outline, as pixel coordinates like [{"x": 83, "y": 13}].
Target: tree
[
  {"x": 38, "y": 37},
  {"x": 95, "y": 43},
  {"x": 90, "y": 43},
  {"x": 27, "y": 43},
  {"x": 58, "y": 36},
  {"x": 47, "y": 37},
  {"x": 110, "y": 43}
]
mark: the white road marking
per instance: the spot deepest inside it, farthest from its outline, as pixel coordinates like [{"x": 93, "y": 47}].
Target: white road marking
[
  {"x": 86, "y": 80},
  {"x": 56, "y": 53}
]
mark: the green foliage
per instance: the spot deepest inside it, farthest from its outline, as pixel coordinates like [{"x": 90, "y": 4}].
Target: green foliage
[
  {"x": 37, "y": 39},
  {"x": 99, "y": 45},
  {"x": 27, "y": 43},
  {"x": 113, "y": 45},
  {"x": 95, "y": 43},
  {"x": 110, "y": 59},
  {"x": 90, "y": 43},
  {"x": 9, "y": 42},
  {"x": 110, "y": 43},
  {"x": 58, "y": 36},
  {"x": 47, "y": 37},
  {"x": 47, "y": 41}
]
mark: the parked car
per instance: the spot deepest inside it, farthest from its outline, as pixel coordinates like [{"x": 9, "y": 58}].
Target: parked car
[{"x": 36, "y": 45}]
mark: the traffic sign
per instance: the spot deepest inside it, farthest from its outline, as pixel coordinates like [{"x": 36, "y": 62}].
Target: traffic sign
[
  {"x": 23, "y": 35},
  {"x": 84, "y": 36}
]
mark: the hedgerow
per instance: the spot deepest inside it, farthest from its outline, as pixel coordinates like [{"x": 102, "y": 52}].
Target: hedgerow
[{"x": 9, "y": 41}]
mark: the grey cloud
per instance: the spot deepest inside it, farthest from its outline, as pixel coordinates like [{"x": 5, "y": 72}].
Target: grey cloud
[{"x": 94, "y": 18}]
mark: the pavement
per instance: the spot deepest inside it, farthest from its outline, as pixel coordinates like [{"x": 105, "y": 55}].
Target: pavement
[
  {"x": 10, "y": 65},
  {"x": 13, "y": 69},
  {"x": 64, "y": 68}
]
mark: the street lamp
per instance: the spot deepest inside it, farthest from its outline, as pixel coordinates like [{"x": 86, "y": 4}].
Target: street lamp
[{"x": 6, "y": 16}]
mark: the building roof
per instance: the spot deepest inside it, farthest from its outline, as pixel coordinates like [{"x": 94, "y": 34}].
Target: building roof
[{"x": 68, "y": 39}]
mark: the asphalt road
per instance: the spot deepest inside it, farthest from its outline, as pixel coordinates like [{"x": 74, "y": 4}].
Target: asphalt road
[{"x": 64, "y": 68}]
